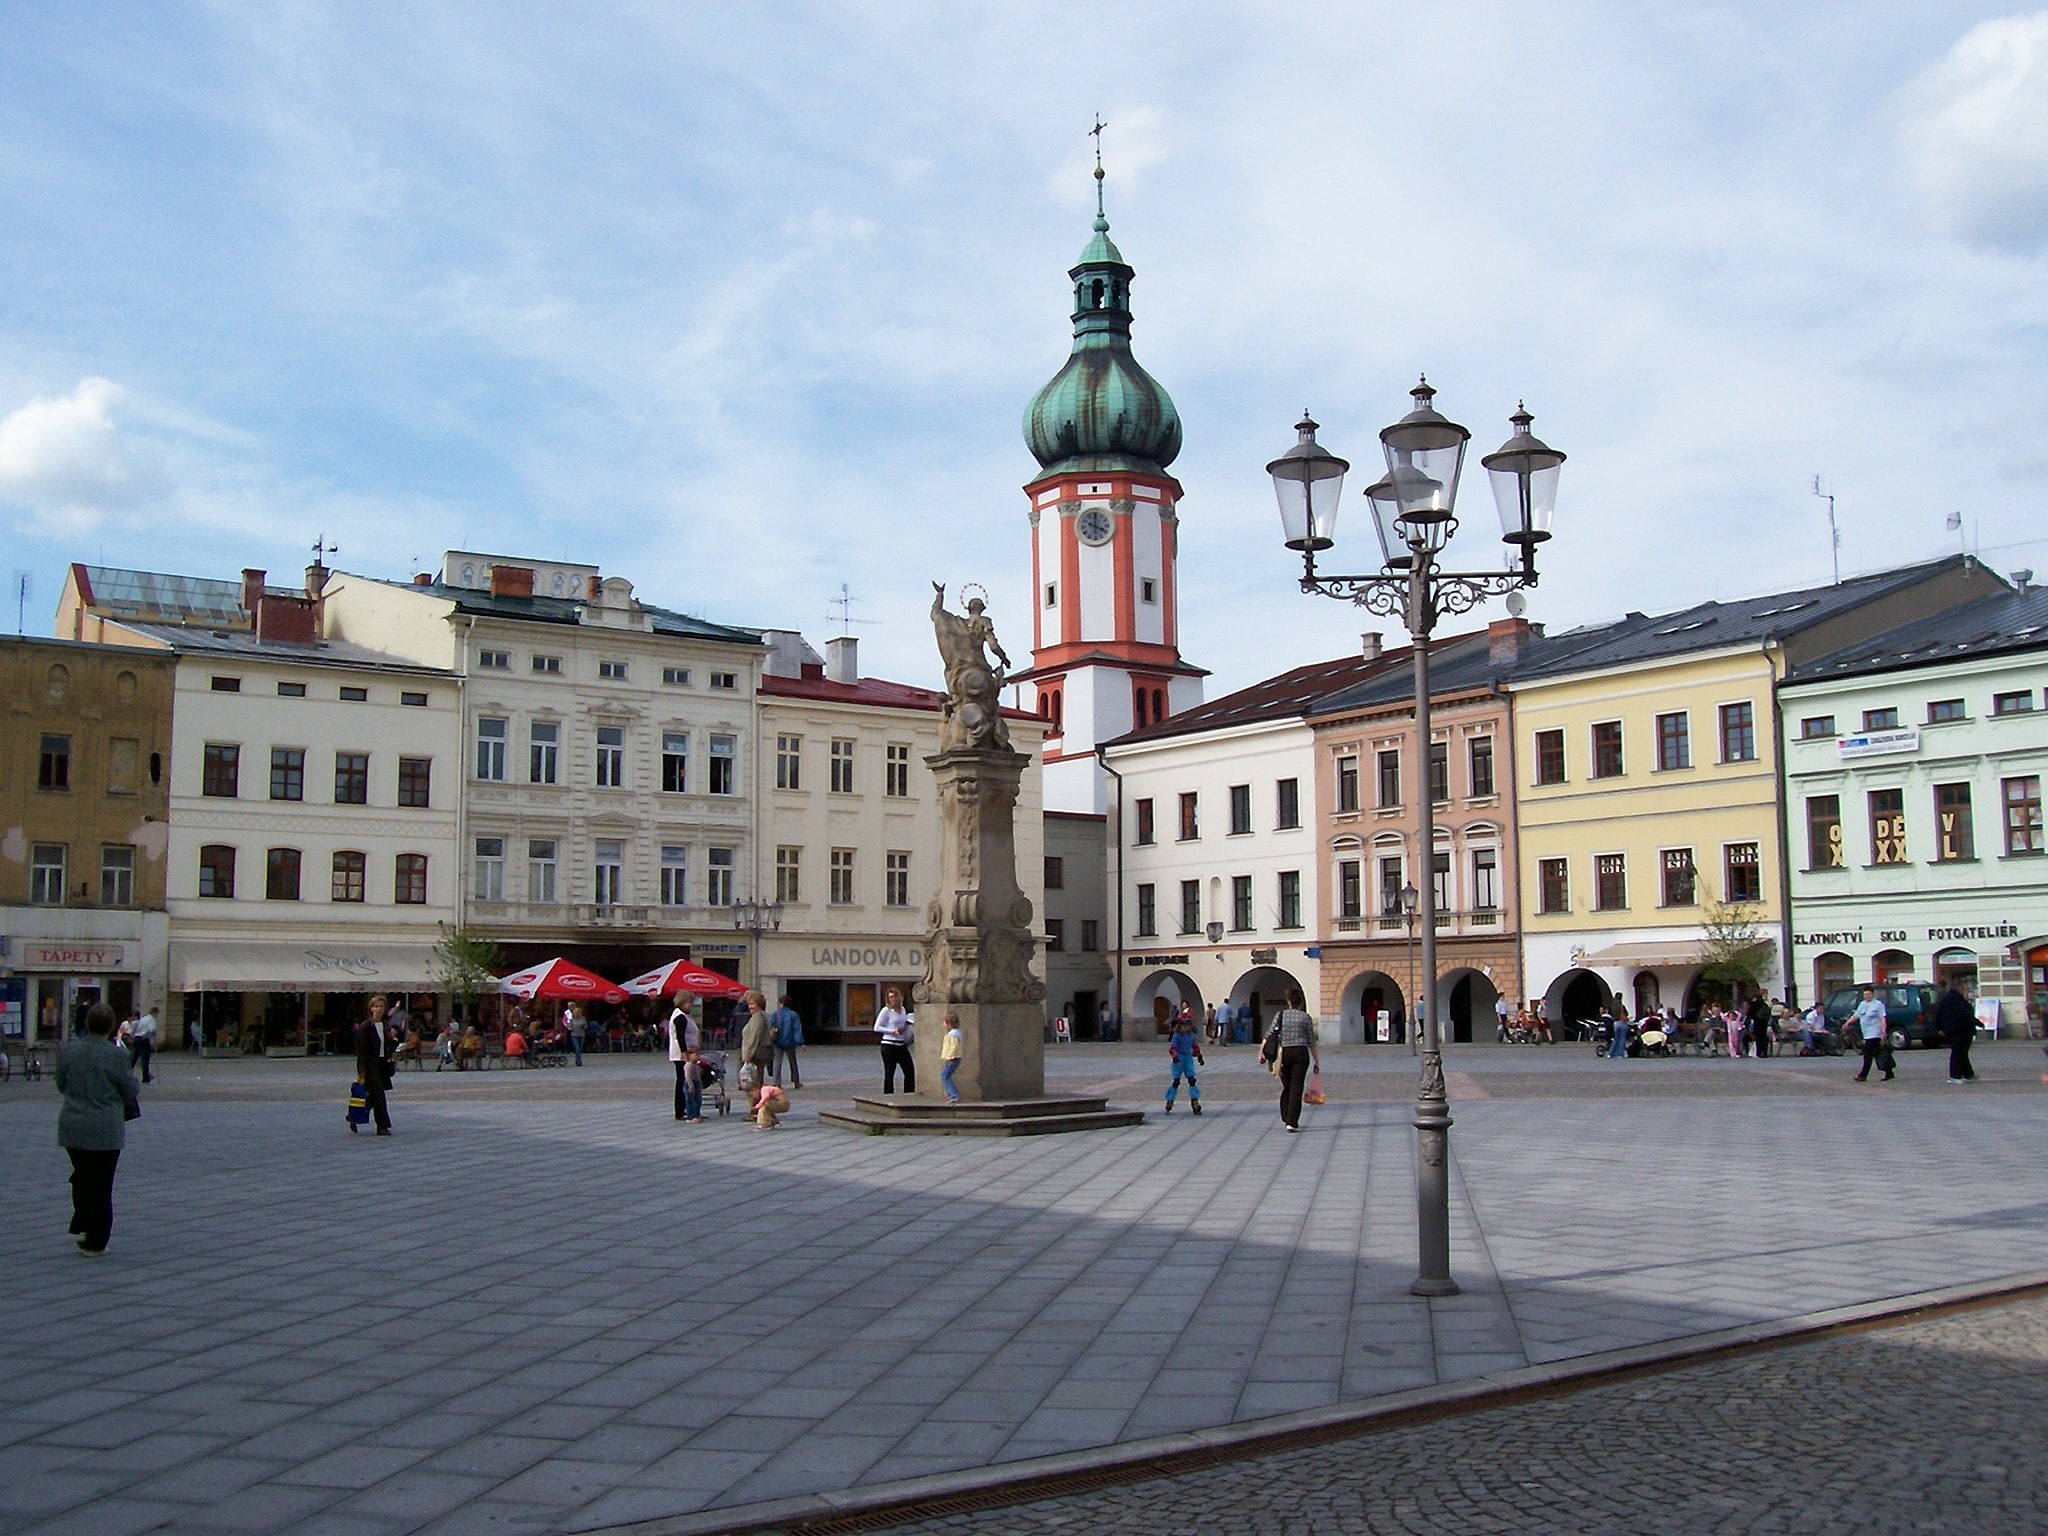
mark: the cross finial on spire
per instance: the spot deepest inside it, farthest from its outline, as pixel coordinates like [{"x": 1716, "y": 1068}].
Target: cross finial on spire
[{"x": 1095, "y": 133}]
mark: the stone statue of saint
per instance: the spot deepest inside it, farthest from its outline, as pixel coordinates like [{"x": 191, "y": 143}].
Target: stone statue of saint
[{"x": 973, "y": 716}]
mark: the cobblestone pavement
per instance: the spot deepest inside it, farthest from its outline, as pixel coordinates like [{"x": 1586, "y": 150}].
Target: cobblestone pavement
[
  {"x": 545, "y": 1306},
  {"x": 1928, "y": 1427}
]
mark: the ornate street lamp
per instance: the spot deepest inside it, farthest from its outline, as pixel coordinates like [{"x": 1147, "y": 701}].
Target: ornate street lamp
[
  {"x": 755, "y": 918},
  {"x": 1414, "y": 510}
]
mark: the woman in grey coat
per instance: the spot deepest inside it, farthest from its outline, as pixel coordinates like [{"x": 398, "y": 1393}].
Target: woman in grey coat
[{"x": 99, "y": 1089}]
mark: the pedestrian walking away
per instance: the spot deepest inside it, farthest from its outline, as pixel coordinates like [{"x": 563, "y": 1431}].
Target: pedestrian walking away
[
  {"x": 1957, "y": 1021},
  {"x": 788, "y": 1030},
  {"x": 682, "y": 1054},
  {"x": 757, "y": 1039},
  {"x": 951, "y": 1049},
  {"x": 373, "y": 1063},
  {"x": 1183, "y": 1053},
  {"x": 1872, "y": 1021},
  {"x": 893, "y": 1029},
  {"x": 1298, "y": 1053},
  {"x": 142, "y": 1043},
  {"x": 101, "y": 1096}
]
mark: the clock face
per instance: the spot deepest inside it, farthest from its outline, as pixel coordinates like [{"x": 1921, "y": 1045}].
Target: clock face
[{"x": 1093, "y": 526}]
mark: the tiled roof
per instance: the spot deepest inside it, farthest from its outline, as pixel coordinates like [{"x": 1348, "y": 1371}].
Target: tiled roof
[
  {"x": 1290, "y": 695},
  {"x": 2017, "y": 621},
  {"x": 874, "y": 692}
]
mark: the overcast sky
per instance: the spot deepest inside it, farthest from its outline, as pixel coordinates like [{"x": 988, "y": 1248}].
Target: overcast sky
[{"x": 745, "y": 302}]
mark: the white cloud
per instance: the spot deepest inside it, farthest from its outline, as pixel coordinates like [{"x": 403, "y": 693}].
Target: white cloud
[
  {"x": 66, "y": 460},
  {"x": 1975, "y": 135}
]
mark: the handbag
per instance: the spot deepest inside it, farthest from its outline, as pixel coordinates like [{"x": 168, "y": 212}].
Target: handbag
[
  {"x": 131, "y": 1109},
  {"x": 1313, "y": 1093},
  {"x": 358, "y": 1104},
  {"x": 1269, "y": 1048}
]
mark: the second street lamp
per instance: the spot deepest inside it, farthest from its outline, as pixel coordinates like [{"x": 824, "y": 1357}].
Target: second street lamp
[{"x": 1415, "y": 514}]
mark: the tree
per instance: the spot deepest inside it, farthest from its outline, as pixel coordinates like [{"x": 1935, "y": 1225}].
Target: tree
[
  {"x": 466, "y": 966},
  {"x": 1737, "y": 956}
]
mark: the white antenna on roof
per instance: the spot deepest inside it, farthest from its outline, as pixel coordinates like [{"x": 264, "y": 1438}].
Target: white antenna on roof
[
  {"x": 1834, "y": 533},
  {"x": 844, "y": 603}
]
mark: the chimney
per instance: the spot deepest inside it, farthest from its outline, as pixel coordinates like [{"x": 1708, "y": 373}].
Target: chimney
[
  {"x": 423, "y": 579},
  {"x": 285, "y": 618},
  {"x": 842, "y": 660},
  {"x": 1370, "y": 646},
  {"x": 2023, "y": 577},
  {"x": 316, "y": 579},
  {"x": 511, "y": 581},
  {"x": 1507, "y": 639},
  {"x": 252, "y": 590}
]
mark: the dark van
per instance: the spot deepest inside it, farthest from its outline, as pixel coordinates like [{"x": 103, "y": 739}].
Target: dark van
[{"x": 1908, "y": 1007}]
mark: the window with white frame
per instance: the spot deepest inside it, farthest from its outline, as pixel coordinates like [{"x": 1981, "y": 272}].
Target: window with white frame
[
  {"x": 675, "y": 762},
  {"x": 789, "y": 762},
  {"x": 1290, "y": 898},
  {"x": 540, "y": 869},
  {"x": 897, "y": 771},
  {"x": 789, "y": 874},
  {"x": 1485, "y": 879},
  {"x": 491, "y": 731},
  {"x": 896, "y": 879},
  {"x": 544, "y": 743},
  {"x": 842, "y": 877},
  {"x": 675, "y": 875},
  {"x": 842, "y": 766},
  {"x": 725, "y": 751},
  {"x": 46, "y": 874},
  {"x": 718, "y": 869},
  {"x": 117, "y": 875},
  {"x": 611, "y": 757},
  {"x": 488, "y": 883},
  {"x": 609, "y": 872}
]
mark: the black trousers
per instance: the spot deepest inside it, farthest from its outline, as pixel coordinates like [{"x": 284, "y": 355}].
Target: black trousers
[
  {"x": 785, "y": 1056},
  {"x": 139, "y": 1054},
  {"x": 92, "y": 1195},
  {"x": 894, "y": 1056},
  {"x": 1959, "y": 1058},
  {"x": 1874, "y": 1051},
  {"x": 1293, "y": 1078},
  {"x": 373, "y": 1094}
]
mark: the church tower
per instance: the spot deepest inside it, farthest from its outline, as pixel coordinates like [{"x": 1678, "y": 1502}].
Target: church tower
[{"x": 1105, "y": 651}]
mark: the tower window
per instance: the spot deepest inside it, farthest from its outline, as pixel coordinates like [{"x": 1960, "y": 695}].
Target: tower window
[
  {"x": 1052, "y": 594},
  {"x": 1095, "y": 294},
  {"x": 1158, "y": 704},
  {"x": 1148, "y": 590}
]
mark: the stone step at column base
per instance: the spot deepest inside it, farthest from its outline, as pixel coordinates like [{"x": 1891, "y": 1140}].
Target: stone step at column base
[{"x": 905, "y": 1115}]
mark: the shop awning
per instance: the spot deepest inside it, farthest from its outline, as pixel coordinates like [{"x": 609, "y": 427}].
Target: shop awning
[
  {"x": 224, "y": 965},
  {"x": 1644, "y": 957}
]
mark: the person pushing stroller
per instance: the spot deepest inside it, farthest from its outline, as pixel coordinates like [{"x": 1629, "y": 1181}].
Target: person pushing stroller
[{"x": 1184, "y": 1050}]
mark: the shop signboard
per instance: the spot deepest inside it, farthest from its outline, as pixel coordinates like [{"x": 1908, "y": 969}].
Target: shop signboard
[
  {"x": 1878, "y": 743},
  {"x": 72, "y": 955}
]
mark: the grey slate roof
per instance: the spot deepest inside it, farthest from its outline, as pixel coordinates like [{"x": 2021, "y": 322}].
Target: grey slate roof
[
  {"x": 2015, "y": 622},
  {"x": 566, "y": 610},
  {"x": 1714, "y": 626},
  {"x": 242, "y": 645},
  {"x": 1286, "y": 696}
]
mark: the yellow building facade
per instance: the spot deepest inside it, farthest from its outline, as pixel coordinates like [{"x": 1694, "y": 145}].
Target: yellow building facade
[{"x": 1648, "y": 792}]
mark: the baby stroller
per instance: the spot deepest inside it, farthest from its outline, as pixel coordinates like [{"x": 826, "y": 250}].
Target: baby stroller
[{"x": 711, "y": 1069}]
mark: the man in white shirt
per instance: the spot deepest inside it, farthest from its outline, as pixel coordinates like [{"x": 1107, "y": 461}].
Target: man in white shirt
[
  {"x": 1873, "y": 1021},
  {"x": 892, "y": 1028},
  {"x": 142, "y": 1043}
]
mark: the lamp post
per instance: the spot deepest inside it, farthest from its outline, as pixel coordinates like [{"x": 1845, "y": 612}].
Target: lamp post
[
  {"x": 1409, "y": 897},
  {"x": 755, "y": 918},
  {"x": 1414, "y": 514}
]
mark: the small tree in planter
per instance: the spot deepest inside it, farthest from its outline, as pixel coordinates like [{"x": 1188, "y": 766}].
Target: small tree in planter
[{"x": 1737, "y": 956}]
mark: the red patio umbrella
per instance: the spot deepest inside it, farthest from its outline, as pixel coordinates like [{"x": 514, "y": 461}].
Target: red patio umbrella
[
  {"x": 561, "y": 979},
  {"x": 682, "y": 976}
]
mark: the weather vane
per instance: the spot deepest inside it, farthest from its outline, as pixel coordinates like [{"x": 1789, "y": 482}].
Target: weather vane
[{"x": 322, "y": 549}]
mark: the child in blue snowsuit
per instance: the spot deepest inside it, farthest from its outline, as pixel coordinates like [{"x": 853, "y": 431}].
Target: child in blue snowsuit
[{"x": 1184, "y": 1050}]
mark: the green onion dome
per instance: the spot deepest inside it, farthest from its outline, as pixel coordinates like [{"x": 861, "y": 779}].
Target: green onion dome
[{"x": 1102, "y": 411}]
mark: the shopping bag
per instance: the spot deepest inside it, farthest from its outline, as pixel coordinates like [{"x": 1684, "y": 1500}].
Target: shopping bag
[
  {"x": 1313, "y": 1093},
  {"x": 358, "y": 1104}
]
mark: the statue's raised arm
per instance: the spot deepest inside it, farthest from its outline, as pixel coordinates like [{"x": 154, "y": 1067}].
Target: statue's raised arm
[{"x": 973, "y": 714}]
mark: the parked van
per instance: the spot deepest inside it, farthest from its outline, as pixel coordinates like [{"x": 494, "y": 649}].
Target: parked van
[{"x": 1908, "y": 1007}]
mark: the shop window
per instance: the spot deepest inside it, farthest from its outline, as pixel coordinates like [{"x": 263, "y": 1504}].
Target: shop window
[{"x": 1955, "y": 838}]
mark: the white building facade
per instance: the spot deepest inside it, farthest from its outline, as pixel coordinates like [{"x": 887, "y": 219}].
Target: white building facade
[
  {"x": 850, "y": 834},
  {"x": 1915, "y": 768},
  {"x": 608, "y": 768}
]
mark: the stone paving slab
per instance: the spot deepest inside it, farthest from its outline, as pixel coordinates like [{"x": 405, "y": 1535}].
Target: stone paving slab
[{"x": 561, "y": 1310}]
